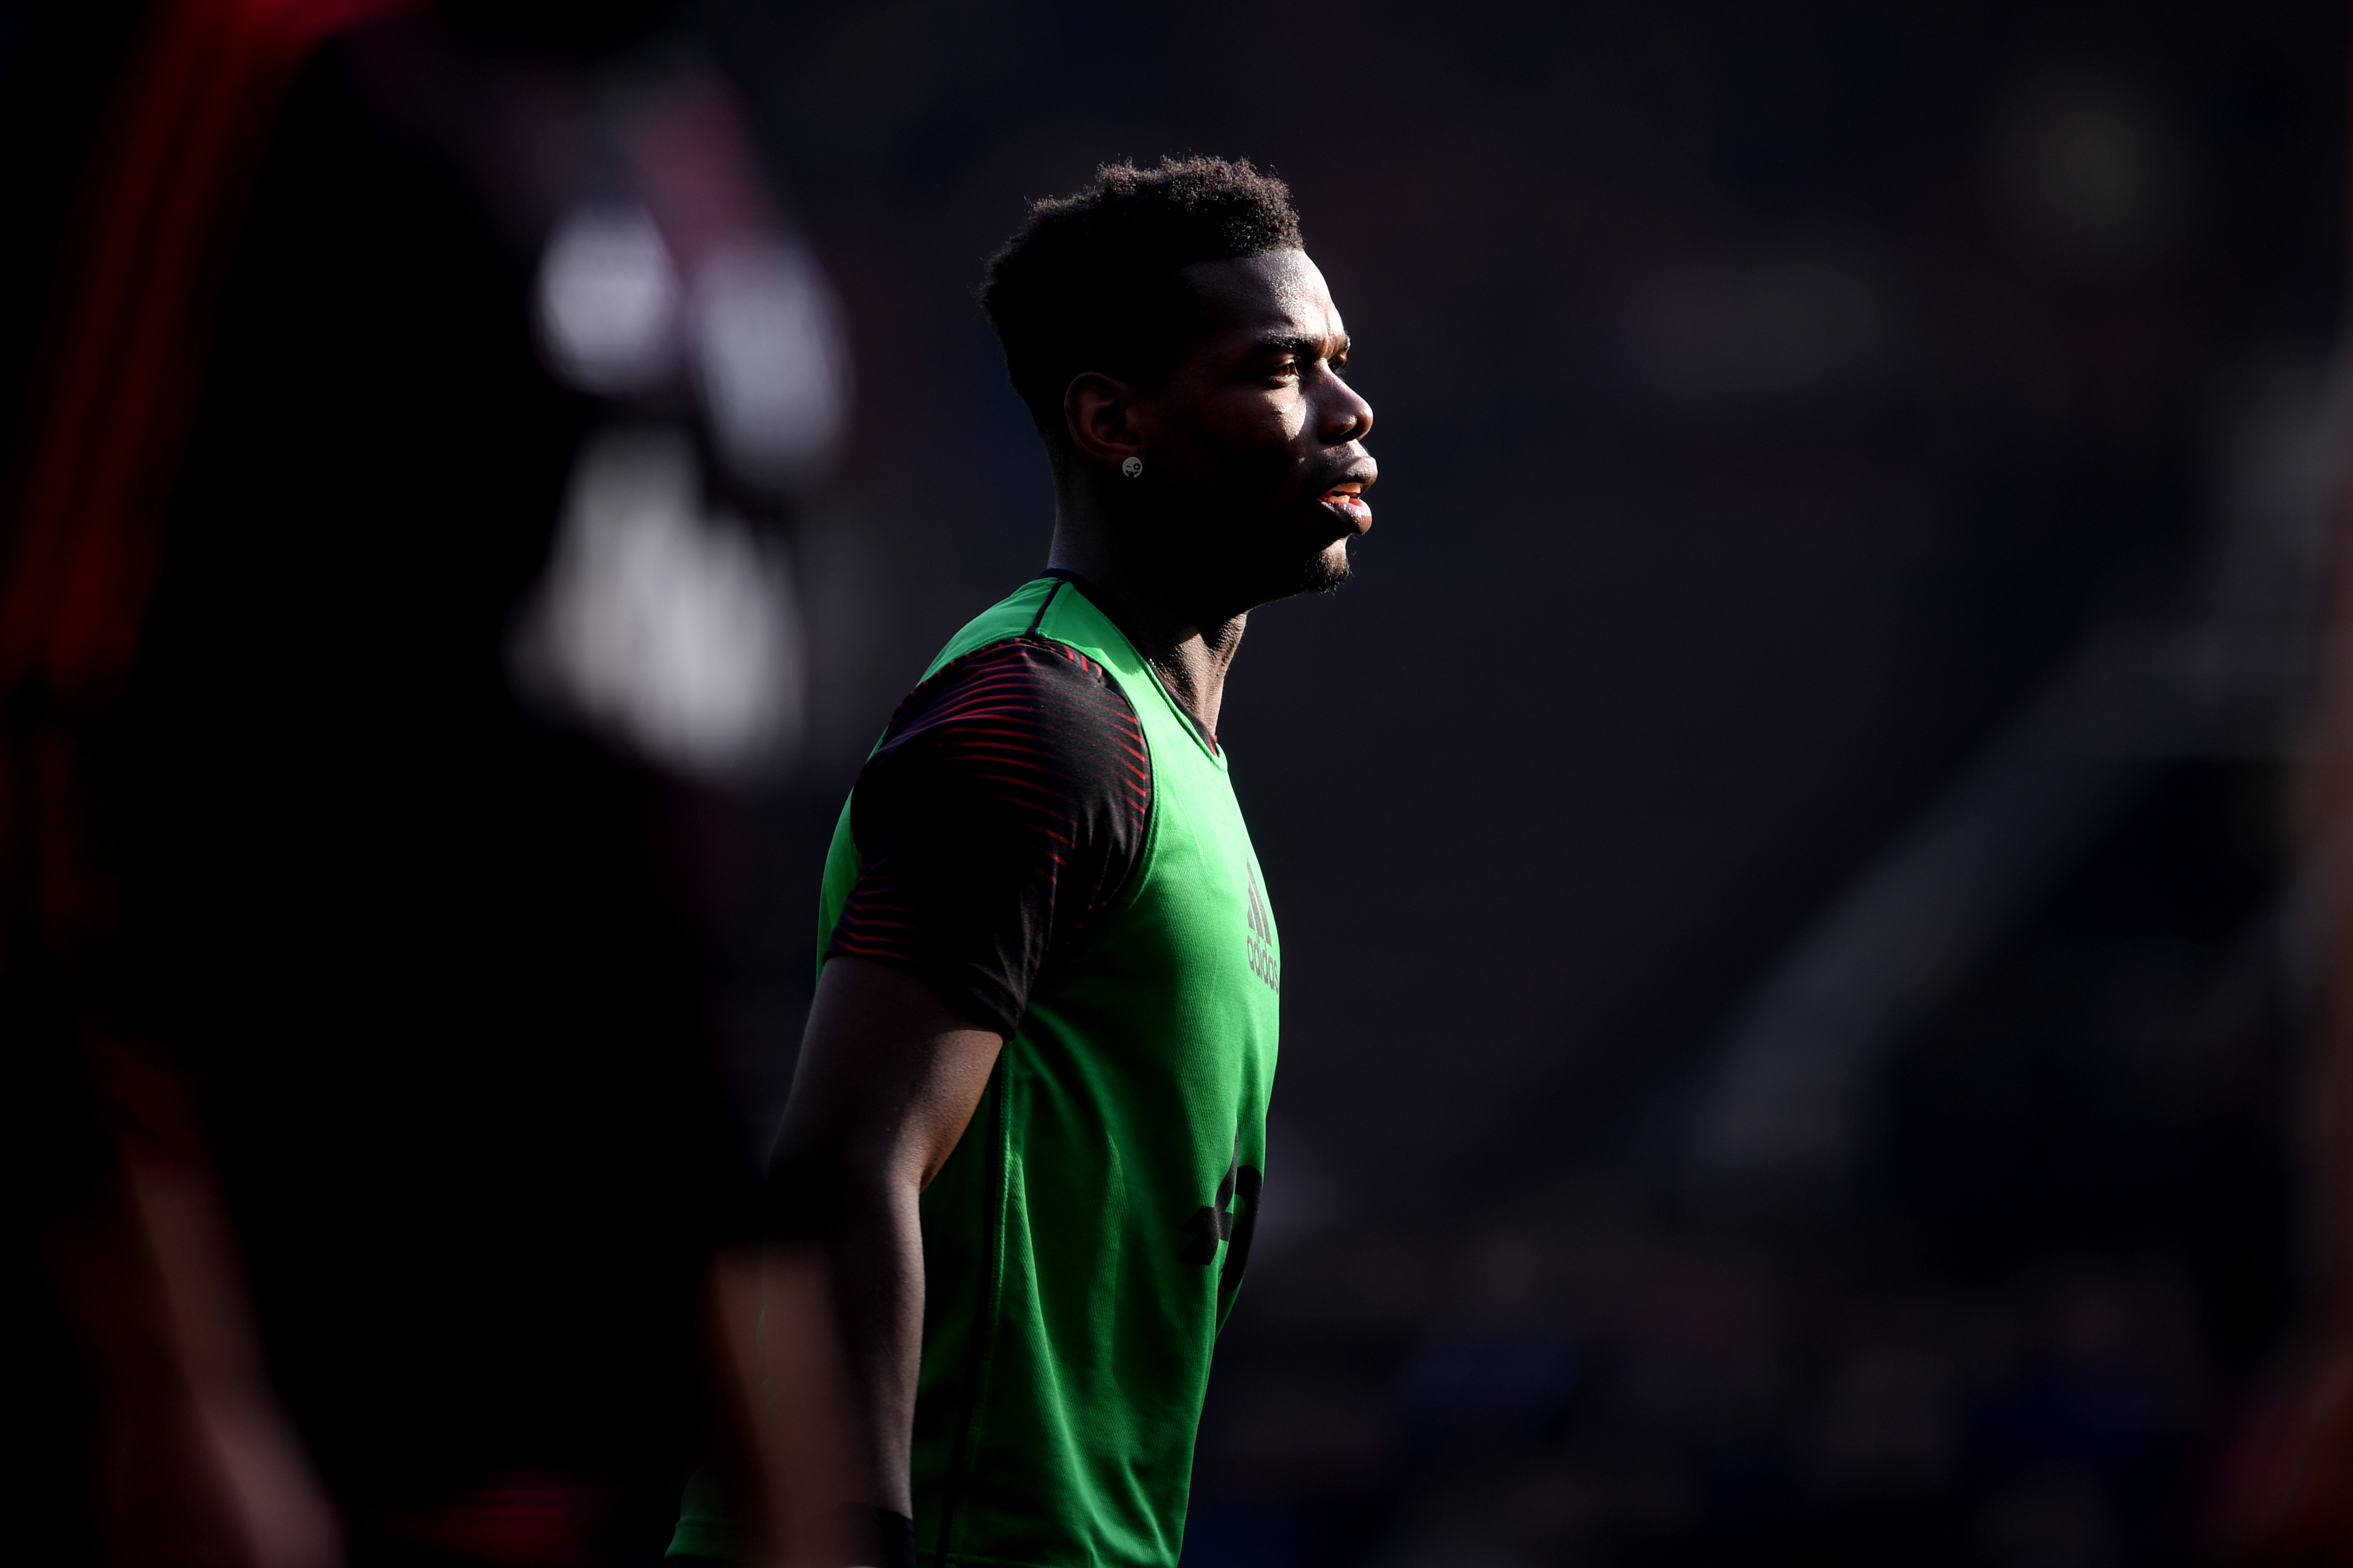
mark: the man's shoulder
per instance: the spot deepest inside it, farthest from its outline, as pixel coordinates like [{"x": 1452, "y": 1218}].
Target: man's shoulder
[
  {"x": 1048, "y": 691},
  {"x": 1032, "y": 700}
]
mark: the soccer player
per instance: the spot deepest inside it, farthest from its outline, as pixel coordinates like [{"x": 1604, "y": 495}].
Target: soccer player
[{"x": 1038, "y": 1063}]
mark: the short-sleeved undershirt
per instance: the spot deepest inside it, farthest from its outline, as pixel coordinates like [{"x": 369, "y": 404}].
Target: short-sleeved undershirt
[{"x": 1002, "y": 815}]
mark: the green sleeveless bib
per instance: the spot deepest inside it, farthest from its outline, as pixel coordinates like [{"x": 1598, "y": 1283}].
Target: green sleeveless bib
[{"x": 1083, "y": 1246}]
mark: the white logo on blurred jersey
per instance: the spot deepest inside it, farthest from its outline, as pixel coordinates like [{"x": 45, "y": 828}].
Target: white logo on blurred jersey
[
  {"x": 762, "y": 332},
  {"x": 668, "y": 631},
  {"x": 607, "y": 302},
  {"x": 771, "y": 362}
]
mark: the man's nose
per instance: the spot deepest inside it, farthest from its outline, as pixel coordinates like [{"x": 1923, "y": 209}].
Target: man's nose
[{"x": 1345, "y": 416}]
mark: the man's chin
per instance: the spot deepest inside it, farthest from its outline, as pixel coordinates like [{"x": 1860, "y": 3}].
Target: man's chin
[
  {"x": 1325, "y": 571},
  {"x": 1320, "y": 574},
  {"x": 1277, "y": 579}
]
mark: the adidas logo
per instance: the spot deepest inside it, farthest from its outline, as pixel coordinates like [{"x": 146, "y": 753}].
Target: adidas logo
[{"x": 1262, "y": 960}]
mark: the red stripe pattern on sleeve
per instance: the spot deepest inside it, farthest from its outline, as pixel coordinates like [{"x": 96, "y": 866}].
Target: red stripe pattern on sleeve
[{"x": 1004, "y": 811}]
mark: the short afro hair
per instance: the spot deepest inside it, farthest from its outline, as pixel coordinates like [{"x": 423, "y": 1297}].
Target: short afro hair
[{"x": 1094, "y": 281}]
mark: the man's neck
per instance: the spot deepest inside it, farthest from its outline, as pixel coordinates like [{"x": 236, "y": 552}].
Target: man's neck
[{"x": 1188, "y": 652}]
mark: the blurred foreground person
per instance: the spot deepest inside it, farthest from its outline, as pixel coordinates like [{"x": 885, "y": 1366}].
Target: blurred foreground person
[
  {"x": 393, "y": 595},
  {"x": 1038, "y": 1066}
]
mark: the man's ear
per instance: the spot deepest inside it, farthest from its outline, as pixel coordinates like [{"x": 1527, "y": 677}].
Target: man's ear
[{"x": 1099, "y": 412}]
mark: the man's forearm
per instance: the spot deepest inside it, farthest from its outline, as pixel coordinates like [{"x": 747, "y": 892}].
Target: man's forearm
[
  {"x": 781, "y": 1393},
  {"x": 889, "y": 1076},
  {"x": 878, "y": 1269}
]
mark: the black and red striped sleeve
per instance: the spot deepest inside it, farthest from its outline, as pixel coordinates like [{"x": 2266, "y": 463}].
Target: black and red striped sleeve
[{"x": 998, "y": 821}]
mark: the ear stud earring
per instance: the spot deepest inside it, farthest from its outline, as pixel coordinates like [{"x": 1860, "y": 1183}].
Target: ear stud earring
[{"x": 1132, "y": 467}]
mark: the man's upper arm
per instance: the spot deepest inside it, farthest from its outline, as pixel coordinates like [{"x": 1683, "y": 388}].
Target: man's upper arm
[{"x": 890, "y": 1074}]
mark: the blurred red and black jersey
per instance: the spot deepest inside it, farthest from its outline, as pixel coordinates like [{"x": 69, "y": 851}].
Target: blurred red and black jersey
[{"x": 294, "y": 464}]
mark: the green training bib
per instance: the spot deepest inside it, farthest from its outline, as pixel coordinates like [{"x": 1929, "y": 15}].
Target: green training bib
[{"x": 1083, "y": 1244}]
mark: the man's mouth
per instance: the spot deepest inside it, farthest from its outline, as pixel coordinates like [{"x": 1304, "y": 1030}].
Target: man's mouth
[{"x": 1348, "y": 501}]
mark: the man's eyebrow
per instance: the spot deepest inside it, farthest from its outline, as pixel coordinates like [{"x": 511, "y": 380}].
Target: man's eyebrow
[{"x": 1300, "y": 343}]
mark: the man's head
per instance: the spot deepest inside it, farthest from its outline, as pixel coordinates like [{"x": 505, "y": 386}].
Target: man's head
[{"x": 1169, "y": 316}]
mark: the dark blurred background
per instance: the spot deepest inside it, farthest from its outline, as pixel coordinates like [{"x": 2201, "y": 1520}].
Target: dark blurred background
[{"x": 1792, "y": 1038}]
